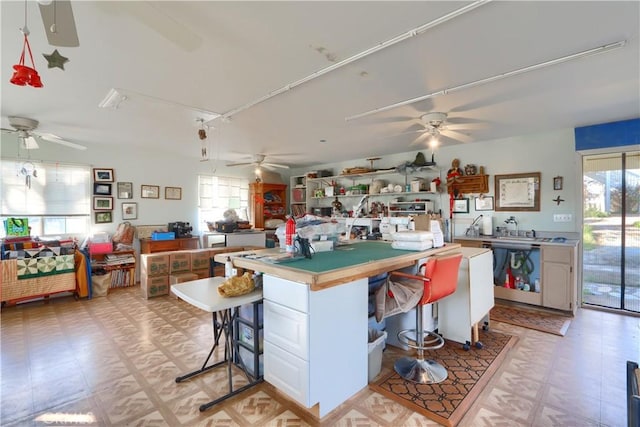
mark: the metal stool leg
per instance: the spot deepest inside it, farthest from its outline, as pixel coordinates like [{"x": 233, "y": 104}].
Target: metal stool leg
[{"x": 418, "y": 369}]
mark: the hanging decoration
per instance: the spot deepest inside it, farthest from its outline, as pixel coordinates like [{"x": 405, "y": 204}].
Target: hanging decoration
[
  {"x": 55, "y": 59},
  {"x": 24, "y": 75},
  {"x": 202, "y": 134}
]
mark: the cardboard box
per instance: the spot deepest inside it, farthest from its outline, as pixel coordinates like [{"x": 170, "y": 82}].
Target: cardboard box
[
  {"x": 179, "y": 261},
  {"x": 153, "y": 286},
  {"x": 200, "y": 259},
  {"x": 176, "y": 278},
  {"x": 154, "y": 264},
  {"x": 203, "y": 273}
]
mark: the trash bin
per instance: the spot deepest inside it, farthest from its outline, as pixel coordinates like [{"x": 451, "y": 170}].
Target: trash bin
[
  {"x": 100, "y": 284},
  {"x": 376, "y": 345}
]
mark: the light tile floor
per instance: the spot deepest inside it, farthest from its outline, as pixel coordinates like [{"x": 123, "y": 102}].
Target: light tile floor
[{"x": 116, "y": 358}]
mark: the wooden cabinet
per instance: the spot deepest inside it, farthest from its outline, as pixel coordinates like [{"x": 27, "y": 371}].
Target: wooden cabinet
[
  {"x": 148, "y": 246},
  {"x": 267, "y": 201},
  {"x": 121, "y": 265},
  {"x": 559, "y": 286},
  {"x": 469, "y": 184}
]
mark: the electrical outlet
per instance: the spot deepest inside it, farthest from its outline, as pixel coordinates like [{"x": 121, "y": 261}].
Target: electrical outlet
[{"x": 561, "y": 217}]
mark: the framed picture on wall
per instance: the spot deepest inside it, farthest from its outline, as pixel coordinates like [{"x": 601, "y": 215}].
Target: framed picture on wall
[
  {"x": 103, "y": 217},
  {"x": 173, "y": 193},
  {"x": 461, "y": 206},
  {"x": 103, "y": 203},
  {"x": 100, "y": 189},
  {"x": 484, "y": 203},
  {"x": 102, "y": 175},
  {"x": 557, "y": 183},
  {"x": 125, "y": 190},
  {"x": 150, "y": 191},
  {"x": 129, "y": 211}
]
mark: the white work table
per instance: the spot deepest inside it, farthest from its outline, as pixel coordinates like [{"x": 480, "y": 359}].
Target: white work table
[{"x": 203, "y": 293}]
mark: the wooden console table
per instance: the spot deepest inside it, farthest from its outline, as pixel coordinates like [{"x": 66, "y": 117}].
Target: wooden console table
[{"x": 148, "y": 246}]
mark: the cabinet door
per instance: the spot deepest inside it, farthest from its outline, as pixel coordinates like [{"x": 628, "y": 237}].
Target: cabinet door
[
  {"x": 558, "y": 281},
  {"x": 556, "y": 289}
]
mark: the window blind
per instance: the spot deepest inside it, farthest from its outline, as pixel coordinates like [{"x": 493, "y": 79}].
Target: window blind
[{"x": 55, "y": 189}]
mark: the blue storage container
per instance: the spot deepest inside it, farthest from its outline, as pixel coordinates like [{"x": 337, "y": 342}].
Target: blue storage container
[{"x": 167, "y": 235}]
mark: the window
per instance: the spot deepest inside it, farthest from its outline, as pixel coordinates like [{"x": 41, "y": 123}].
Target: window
[
  {"x": 218, "y": 194},
  {"x": 54, "y": 197}
]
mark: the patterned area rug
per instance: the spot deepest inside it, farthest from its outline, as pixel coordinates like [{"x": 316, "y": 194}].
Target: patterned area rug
[
  {"x": 468, "y": 373},
  {"x": 531, "y": 319}
]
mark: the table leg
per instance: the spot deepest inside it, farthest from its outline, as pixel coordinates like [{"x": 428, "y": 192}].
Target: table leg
[
  {"x": 218, "y": 330},
  {"x": 225, "y": 326}
]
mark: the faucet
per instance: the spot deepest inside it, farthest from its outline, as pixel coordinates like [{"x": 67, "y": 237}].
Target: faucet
[{"x": 512, "y": 220}]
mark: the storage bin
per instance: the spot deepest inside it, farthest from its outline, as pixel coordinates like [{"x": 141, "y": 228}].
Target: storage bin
[
  {"x": 246, "y": 312},
  {"x": 100, "y": 248},
  {"x": 167, "y": 235},
  {"x": 247, "y": 359},
  {"x": 376, "y": 345},
  {"x": 246, "y": 333},
  {"x": 100, "y": 284}
]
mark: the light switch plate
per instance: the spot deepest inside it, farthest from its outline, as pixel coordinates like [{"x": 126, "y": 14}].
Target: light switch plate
[{"x": 562, "y": 217}]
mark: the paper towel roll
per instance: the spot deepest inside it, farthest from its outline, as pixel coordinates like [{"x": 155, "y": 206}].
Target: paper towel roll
[{"x": 487, "y": 225}]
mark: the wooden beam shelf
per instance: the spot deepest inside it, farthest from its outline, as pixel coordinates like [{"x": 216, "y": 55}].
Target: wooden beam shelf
[{"x": 469, "y": 184}]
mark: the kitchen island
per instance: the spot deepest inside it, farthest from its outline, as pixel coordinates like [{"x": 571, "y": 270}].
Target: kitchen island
[{"x": 316, "y": 318}]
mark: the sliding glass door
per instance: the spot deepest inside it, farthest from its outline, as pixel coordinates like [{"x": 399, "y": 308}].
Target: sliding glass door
[{"x": 611, "y": 231}]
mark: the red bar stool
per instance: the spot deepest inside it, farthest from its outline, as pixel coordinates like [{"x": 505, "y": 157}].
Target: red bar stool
[{"x": 440, "y": 280}]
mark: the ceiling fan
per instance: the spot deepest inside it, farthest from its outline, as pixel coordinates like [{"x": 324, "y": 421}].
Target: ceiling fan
[
  {"x": 437, "y": 126},
  {"x": 25, "y": 130},
  {"x": 59, "y": 25},
  {"x": 257, "y": 160}
]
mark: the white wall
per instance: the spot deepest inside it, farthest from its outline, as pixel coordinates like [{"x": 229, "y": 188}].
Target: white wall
[
  {"x": 551, "y": 154},
  {"x": 138, "y": 167}
]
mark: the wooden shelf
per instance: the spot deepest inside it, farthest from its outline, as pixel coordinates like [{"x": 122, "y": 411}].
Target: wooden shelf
[{"x": 470, "y": 184}]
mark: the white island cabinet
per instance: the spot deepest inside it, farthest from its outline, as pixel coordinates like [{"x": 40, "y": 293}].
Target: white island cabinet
[
  {"x": 315, "y": 342},
  {"x": 460, "y": 312}
]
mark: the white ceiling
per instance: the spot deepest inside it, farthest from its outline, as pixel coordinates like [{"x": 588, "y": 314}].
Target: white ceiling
[{"x": 219, "y": 56}]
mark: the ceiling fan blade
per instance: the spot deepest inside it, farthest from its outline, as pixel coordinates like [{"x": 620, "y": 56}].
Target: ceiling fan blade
[
  {"x": 465, "y": 126},
  {"x": 158, "y": 20},
  {"x": 457, "y": 135},
  {"x": 274, "y": 165},
  {"x": 56, "y": 139},
  {"x": 241, "y": 164},
  {"x": 59, "y": 24}
]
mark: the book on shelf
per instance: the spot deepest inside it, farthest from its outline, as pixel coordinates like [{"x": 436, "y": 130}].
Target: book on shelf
[{"x": 118, "y": 259}]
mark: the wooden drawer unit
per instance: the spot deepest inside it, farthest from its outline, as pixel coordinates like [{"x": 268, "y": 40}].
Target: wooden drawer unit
[{"x": 148, "y": 246}]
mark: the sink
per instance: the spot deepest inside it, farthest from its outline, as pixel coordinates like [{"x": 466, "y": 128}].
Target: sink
[{"x": 525, "y": 239}]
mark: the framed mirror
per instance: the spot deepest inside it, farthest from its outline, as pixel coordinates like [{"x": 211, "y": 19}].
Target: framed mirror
[{"x": 517, "y": 192}]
